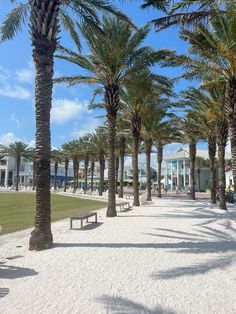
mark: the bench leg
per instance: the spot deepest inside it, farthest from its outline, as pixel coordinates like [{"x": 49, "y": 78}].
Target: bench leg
[
  {"x": 86, "y": 219},
  {"x": 81, "y": 223},
  {"x": 70, "y": 223},
  {"x": 96, "y": 218}
]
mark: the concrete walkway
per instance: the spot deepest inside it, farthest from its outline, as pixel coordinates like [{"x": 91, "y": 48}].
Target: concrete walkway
[{"x": 169, "y": 256}]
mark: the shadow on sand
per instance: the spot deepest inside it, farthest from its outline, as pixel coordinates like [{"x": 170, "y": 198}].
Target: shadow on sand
[
  {"x": 12, "y": 272},
  {"x": 4, "y": 292},
  {"x": 118, "y": 305},
  {"x": 218, "y": 242}
]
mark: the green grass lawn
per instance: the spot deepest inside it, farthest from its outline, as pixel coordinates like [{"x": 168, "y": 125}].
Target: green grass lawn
[{"x": 17, "y": 210}]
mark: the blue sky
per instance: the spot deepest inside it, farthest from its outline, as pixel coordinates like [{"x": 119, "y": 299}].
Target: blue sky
[{"x": 70, "y": 117}]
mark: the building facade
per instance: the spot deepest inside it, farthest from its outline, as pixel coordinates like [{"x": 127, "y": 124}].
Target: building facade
[{"x": 176, "y": 171}]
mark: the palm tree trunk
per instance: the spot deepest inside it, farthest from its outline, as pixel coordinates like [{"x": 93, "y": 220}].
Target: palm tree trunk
[
  {"x": 92, "y": 173},
  {"x": 231, "y": 118},
  {"x": 77, "y": 174},
  {"x": 33, "y": 183},
  {"x": 222, "y": 136},
  {"x": 44, "y": 39},
  {"x": 148, "y": 148},
  {"x": 221, "y": 157},
  {"x": 212, "y": 154},
  {"x": 86, "y": 175},
  {"x": 192, "y": 156},
  {"x": 75, "y": 170},
  {"x": 55, "y": 175},
  {"x": 111, "y": 207},
  {"x": 117, "y": 173},
  {"x": 135, "y": 168},
  {"x": 122, "y": 163},
  {"x": 198, "y": 179},
  {"x": 66, "y": 173},
  {"x": 101, "y": 166},
  {"x": 17, "y": 172},
  {"x": 159, "y": 161}
]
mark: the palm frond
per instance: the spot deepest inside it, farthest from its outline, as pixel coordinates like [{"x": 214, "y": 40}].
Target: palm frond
[{"x": 14, "y": 22}]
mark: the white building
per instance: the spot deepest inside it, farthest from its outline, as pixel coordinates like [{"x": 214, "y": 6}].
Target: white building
[
  {"x": 176, "y": 170},
  {"x": 8, "y": 172}
]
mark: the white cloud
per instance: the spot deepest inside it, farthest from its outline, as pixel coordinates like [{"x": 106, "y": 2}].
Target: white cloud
[
  {"x": 10, "y": 89},
  {"x": 64, "y": 110},
  {"x": 88, "y": 126},
  {"x": 14, "y": 91},
  {"x": 26, "y": 75},
  {"x": 14, "y": 119},
  {"x": 8, "y": 138}
]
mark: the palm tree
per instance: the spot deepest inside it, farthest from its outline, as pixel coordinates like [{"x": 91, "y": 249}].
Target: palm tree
[
  {"x": 199, "y": 164},
  {"x": 17, "y": 150},
  {"x": 165, "y": 132},
  {"x": 56, "y": 157},
  {"x": 205, "y": 104},
  {"x": 192, "y": 133},
  {"x": 123, "y": 135},
  {"x": 213, "y": 55},
  {"x": 45, "y": 18},
  {"x": 65, "y": 156},
  {"x": 136, "y": 105},
  {"x": 98, "y": 142},
  {"x": 30, "y": 155},
  {"x": 72, "y": 149},
  {"x": 115, "y": 55},
  {"x": 209, "y": 103}
]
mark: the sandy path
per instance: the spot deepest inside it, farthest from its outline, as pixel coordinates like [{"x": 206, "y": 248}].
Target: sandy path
[{"x": 177, "y": 257}]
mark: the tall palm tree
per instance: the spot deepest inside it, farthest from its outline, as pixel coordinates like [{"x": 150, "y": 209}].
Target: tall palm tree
[
  {"x": 72, "y": 149},
  {"x": 30, "y": 155},
  {"x": 115, "y": 55},
  {"x": 98, "y": 143},
  {"x": 123, "y": 135},
  {"x": 66, "y": 157},
  {"x": 45, "y": 18},
  {"x": 192, "y": 133},
  {"x": 206, "y": 103},
  {"x": 17, "y": 150},
  {"x": 212, "y": 53},
  {"x": 56, "y": 157},
  {"x": 165, "y": 132},
  {"x": 137, "y": 104},
  {"x": 209, "y": 106}
]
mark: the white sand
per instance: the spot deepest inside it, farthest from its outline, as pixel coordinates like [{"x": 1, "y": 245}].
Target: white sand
[{"x": 171, "y": 256}]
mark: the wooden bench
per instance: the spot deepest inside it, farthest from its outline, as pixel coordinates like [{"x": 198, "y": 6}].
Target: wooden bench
[
  {"x": 82, "y": 217},
  {"x": 123, "y": 204}
]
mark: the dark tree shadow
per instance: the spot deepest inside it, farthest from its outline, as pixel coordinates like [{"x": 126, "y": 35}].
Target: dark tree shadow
[
  {"x": 195, "y": 269},
  {"x": 12, "y": 272},
  {"x": 209, "y": 240},
  {"x": 89, "y": 226},
  {"x": 118, "y": 305},
  {"x": 4, "y": 292}
]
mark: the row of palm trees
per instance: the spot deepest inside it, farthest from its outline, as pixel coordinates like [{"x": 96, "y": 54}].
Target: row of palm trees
[
  {"x": 211, "y": 58},
  {"x": 120, "y": 67}
]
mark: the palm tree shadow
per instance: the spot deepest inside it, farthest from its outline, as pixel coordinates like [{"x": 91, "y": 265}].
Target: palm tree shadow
[
  {"x": 4, "y": 292},
  {"x": 195, "y": 269},
  {"x": 119, "y": 305},
  {"x": 206, "y": 240},
  {"x": 12, "y": 272}
]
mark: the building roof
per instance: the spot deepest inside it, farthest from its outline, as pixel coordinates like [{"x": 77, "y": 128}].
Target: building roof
[{"x": 184, "y": 154}]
